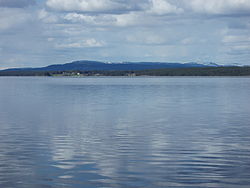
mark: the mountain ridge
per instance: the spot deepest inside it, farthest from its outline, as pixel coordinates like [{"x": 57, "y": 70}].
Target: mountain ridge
[{"x": 89, "y": 65}]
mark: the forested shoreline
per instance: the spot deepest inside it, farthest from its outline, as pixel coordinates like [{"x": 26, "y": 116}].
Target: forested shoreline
[{"x": 194, "y": 71}]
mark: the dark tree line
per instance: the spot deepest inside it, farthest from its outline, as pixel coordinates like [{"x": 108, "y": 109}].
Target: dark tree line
[{"x": 201, "y": 71}]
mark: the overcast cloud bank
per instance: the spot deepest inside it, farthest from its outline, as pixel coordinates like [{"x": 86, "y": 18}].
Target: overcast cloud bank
[{"x": 37, "y": 33}]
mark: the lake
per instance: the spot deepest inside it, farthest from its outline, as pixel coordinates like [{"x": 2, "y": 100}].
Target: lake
[{"x": 124, "y": 132}]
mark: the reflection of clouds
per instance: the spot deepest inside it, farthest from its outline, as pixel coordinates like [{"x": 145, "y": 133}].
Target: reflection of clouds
[
  {"x": 126, "y": 140},
  {"x": 158, "y": 142},
  {"x": 66, "y": 177},
  {"x": 62, "y": 149},
  {"x": 103, "y": 134}
]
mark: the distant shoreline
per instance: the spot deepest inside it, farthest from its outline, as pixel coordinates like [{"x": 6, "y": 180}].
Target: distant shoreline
[{"x": 194, "y": 71}]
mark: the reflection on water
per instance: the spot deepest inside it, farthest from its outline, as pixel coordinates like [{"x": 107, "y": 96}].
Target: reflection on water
[{"x": 124, "y": 132}]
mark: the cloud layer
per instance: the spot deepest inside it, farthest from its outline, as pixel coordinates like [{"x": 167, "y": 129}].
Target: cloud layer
[
  {"x": 93, "y": 6},
  {"x": 36, "y": 33},
  {"x": 227, "y": 7}
]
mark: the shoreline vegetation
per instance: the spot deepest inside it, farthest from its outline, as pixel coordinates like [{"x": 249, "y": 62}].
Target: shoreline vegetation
[{"x": 194, "y": 71}]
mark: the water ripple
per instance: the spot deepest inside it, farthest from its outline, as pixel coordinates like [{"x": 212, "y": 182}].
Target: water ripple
[{"x": 124, "y": 132}]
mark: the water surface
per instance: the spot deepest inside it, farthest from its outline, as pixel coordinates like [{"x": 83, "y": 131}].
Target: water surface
[{"x": 124, "y": 132}]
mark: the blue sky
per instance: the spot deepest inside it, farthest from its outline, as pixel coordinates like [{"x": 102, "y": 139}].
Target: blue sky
[{"x": 42, "y": 32}]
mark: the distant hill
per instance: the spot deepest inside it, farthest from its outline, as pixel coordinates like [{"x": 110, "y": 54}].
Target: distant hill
[
  {"x": 86, "y": 65},
  {"x": 97, "y": 68}
]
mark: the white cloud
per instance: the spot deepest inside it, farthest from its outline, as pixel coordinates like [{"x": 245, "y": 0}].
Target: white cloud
[
  {"x": 87, "y": 43},
  {"x": 127, "y": 19},
  {"x": 47, "y": 17},
  {"x": 104, "y": 12},
  {"x": 220, "y": 6},
  {"x": 92, "y": 43},
  {"x": 236, "y": 39},
  {"x": 158, "y": 7},
  {"x": 89, "y": 5},
  {"x": 161, "y": 7},
  {"x": 120, "y": 20},
  {"x": 89, "y": 19}
]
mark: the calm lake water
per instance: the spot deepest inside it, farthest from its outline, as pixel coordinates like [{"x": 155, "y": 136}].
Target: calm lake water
[{"x": 124, "y": 132}]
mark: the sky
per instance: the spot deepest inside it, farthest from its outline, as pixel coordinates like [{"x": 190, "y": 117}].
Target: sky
[{"x": 37, "y": 33}]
